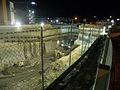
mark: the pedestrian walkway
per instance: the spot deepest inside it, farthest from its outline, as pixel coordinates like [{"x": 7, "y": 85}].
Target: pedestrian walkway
[{"x": 115, "y": 70}]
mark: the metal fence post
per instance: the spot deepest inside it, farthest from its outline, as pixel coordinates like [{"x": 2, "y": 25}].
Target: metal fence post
[
  {"x": 42, "y": 63},
  {"x": 82, "y": 39}
]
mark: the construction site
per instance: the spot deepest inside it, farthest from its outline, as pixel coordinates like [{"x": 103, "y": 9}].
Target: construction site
[{"x": 20, "y": 53}]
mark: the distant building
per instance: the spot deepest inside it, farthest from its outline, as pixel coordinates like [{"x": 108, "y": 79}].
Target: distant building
[
  {"x": 25, "y": 11},
  {"x": 12, "y": 12},
  {"x": 21, "y": 14}
]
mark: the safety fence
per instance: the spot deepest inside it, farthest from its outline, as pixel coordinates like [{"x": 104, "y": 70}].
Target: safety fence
[{"x": 45, "y": 52}]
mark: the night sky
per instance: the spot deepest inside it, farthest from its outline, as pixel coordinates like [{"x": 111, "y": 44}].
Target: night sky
[{"x": 70, "y": 8}]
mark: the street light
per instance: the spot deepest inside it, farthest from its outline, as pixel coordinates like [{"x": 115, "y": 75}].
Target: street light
[
  {"x": 42, "y": 24},
  {"x": 76, "y": 18},
  {"x": 110, "y": 16},
  {"x": 18, "y": 25},
  {"x": 118, "y": 19},
  {"x": 113, "y": 22}
]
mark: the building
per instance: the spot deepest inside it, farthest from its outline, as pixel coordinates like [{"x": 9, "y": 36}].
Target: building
[
  {"x": 25, "y": 11},
  {"x": 21, "y": 11},
  {"x": 7, "y": 15},
  {"x": 3, "y": 12},
  {"x": 31, "y": 9}
]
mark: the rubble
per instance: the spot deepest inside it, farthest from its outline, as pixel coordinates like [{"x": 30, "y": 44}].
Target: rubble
[{"x": 31, "y": 80}]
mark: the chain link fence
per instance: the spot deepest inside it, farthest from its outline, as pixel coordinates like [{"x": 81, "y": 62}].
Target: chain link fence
[{"x": 21, "y": 49}]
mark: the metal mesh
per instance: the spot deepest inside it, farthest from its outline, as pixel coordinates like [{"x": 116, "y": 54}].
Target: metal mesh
[{"x": 23, "y": 48}]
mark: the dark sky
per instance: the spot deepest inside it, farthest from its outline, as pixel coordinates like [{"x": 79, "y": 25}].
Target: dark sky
[
  {"x": 69, "y": 8},
  {"x": 78, "y": 7}
]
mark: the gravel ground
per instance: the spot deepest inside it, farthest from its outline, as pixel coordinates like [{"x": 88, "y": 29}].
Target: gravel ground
[{"x": 29, "y": 78}]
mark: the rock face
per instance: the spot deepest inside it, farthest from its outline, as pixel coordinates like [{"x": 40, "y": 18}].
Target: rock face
[{"x": 22, "y": 53}]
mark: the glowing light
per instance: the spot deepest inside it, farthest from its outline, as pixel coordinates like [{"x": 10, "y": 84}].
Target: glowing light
[
  {"x": 109, "y": 26},
  {"x": 57, "y": 20},
  {"x": 112, "y": 21},
  {"x": 62, "y": 45},
  {"x": 51, "y": 21},
  {"x": 76, "y": 18},
  {"x": 42, "y": 24},
  {"x": 118, "y": 19},
  {"x": 33, "y": 3},
  {"x": 18, "y": 24},
  {"x": 108, "y": 20},
  {"x": 84, "y": 20},
  {"x": 69, "y": 46},
  {"x": 33, "y": 12},
  {"x": 29, "y": 10},
  {"x": 94, "y": 16},
  {"x": 58, "y": 42}
]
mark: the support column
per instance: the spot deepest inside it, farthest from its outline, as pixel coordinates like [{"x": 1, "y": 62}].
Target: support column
[{"x": 3, "y": 12}]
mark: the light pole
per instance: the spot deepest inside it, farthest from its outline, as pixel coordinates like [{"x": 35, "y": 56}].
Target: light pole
[
  {"x": 82, "y": 48},
  {"x": 71, "y": 38},
  {"x": 42, "y": 62},
  {"x": 70, "y": 57}
]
